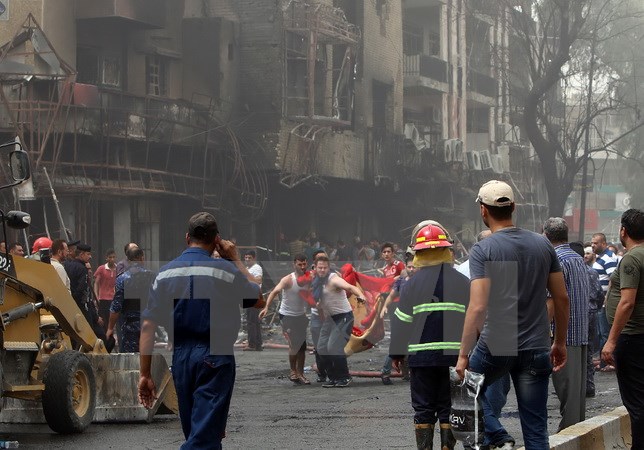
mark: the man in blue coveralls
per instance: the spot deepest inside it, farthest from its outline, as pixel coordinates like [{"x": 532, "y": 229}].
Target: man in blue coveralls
[{"x": 203, "y": 365}]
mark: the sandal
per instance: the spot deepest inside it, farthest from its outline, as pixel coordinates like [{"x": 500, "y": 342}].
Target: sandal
[
  {"x": 304, "y": 380},
  {"x": 608, "y": 369},
  {"x": 294, "y": 377}
]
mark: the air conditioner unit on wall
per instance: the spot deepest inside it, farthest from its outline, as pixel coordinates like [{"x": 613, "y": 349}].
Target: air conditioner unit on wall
[
  {"x": 504, "y": 152},
  {"x": 456, "y": 146},
  {"x": 444, "y": 153},
  {"x": 506, "y": 132},
  {"x": 435, "y": 114},
  {"x": 412, "y": 134},
  {"x": 486, "y": 160},
  {"x": 473, "y": 160},
  {"x": 497, "y": 163}
]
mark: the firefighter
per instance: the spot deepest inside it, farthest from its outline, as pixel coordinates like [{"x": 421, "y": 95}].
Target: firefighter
[
  {"x": 427, "y": 326},
  {"x": 44, "y": 244}
]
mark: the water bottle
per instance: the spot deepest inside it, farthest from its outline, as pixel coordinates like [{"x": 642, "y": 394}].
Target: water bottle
[
  {"x": 8, "y": 444},
  {"x": 466, "y": 415}
]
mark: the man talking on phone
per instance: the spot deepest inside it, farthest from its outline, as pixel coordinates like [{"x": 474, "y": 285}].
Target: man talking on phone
[{"x": 197, "y": 298}]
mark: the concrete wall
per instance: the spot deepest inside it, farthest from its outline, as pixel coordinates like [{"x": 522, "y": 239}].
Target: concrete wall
[
  {"x": 53, "y": 16},
  {"x": 382, "y": 61},
  {"x": 59, "y": 25},
  {"x": 17, "y": 12}
]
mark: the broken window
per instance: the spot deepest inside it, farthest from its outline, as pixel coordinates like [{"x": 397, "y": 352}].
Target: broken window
[
  {"x": 111, "y": 73},
  {"x": 383, "y": 106},
  {"x": 98, "y": 69},
  {"x": 320, "y": 63},
  {"x": 412, "y": 39},
  {"x": 156, "y": 75}
]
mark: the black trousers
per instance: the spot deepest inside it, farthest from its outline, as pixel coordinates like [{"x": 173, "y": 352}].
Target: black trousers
[
  {"x": 430, "y": 394},
  {"x": 104, "y": 312},
  {"x": 254, "y": 327},
  {"x": 630, "y": 378}
]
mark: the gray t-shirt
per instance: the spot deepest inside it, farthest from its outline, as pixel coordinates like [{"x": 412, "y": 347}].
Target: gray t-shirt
[{"x": 518, "y": 263}]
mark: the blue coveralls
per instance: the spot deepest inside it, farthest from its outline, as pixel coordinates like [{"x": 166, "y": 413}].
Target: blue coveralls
[{"x": 203, "y": 365}]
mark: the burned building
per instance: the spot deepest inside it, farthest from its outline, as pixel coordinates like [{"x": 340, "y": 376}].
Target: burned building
[
  {"x": 342, "y": 117},
  {"x": 126, "y": 106}
]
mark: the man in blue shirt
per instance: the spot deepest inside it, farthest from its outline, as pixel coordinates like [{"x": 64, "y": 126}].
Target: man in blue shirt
[{"x": 197, "y": 298}]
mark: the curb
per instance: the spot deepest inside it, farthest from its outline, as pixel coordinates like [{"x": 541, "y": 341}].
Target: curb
[{"x": 610, "y": 430}]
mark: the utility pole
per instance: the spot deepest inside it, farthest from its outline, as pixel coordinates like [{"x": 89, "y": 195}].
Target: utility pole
[{"x": 584, "y": 175}]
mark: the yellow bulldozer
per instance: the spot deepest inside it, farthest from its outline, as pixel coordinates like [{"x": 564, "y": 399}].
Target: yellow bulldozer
[{"x": 42, "y": 378}]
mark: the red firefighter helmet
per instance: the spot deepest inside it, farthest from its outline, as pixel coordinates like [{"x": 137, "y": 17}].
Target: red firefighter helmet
[
  {"x": 431, "y": 236},
  {"x": 40, "y": 243}
]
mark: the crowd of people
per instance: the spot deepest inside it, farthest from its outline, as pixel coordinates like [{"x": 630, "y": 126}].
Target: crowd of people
[{"x": 526, "y": 308}]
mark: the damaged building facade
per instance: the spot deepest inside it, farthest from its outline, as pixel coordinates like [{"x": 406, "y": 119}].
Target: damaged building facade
[{"x": 343, "y": 117}]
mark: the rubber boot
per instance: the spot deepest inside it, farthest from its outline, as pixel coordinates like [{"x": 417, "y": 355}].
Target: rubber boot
[
  {"x": 424, "y": 436},
  {"x": 448, "y": 441},
  {"x": 405, "y": 369}
]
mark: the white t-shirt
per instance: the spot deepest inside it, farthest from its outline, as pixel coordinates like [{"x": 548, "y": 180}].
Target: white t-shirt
[
  {"x": 256, "y": 271},
  {"x": 62, "y": 273}
]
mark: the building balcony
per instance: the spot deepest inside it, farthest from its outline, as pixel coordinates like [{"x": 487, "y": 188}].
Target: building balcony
[
  {"x": 421, "y": 4},
  {"x": 142, "y": 14},
  {"x": 427, "y": 72},
  {"x": 481, "y": 88}
]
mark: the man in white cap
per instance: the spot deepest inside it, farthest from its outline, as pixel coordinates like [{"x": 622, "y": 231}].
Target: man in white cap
[{"x": 510, "y": 272}]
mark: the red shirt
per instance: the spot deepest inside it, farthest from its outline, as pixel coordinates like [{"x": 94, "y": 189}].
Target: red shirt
[
  {"x": 105, "y": 280},
  {"x": 394, "y": 269}
]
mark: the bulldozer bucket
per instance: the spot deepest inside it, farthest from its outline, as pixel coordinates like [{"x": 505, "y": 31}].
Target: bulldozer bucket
[
  {"x": 116, "y": 392},
  {"x": 117, "y": 380}
]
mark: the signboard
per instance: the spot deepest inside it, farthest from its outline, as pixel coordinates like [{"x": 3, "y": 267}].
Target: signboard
[
  {"x": 6, "y": 264},
  {"x": 622, "y": 201},
  {"x": 591, "y": 221},
  {"x": 577, "y": 184}
]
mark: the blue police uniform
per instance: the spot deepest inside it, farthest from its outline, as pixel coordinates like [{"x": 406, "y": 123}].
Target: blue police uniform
[
  {"x": 197, "y": 299},
  {"x": 130, "y": 296}
]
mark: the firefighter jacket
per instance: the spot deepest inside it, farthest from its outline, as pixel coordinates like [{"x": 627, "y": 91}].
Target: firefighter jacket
[{"x": 428, "y": 323}]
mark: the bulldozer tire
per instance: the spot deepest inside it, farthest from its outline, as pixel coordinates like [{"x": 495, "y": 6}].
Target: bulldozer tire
[{"x": 69, "y": 398}]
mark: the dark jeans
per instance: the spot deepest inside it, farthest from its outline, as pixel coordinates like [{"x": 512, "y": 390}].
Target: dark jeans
[
  {"x": 603, "y": 328},
  {"x": 204, "y": 384},
  {"x": 334, "y": 335},
  {"x": 430, "y": 394},
  {"x": 254, "y": 327},
  {"x": 530, "y": 371},
  {"x": 590, "y": 367},
  {"x": 630, "y": 378},
  {"x": 497, "y": 394}
]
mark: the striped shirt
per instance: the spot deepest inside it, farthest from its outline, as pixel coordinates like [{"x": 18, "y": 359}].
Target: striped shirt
[
  {"x": 578, "y": 287},
  {"x": 605, "y": 265}
]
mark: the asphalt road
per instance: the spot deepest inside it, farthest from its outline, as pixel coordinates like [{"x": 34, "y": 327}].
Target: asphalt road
[{"x": 269, "y": 412}]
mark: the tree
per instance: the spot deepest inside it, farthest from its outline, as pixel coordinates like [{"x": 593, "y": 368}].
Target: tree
[
  {"x": 626, "y": 54},
  {"x": 558, "y": 55}
]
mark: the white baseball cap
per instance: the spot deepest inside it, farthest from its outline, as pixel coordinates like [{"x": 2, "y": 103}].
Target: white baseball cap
[{"x": 496, "y": 193}]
